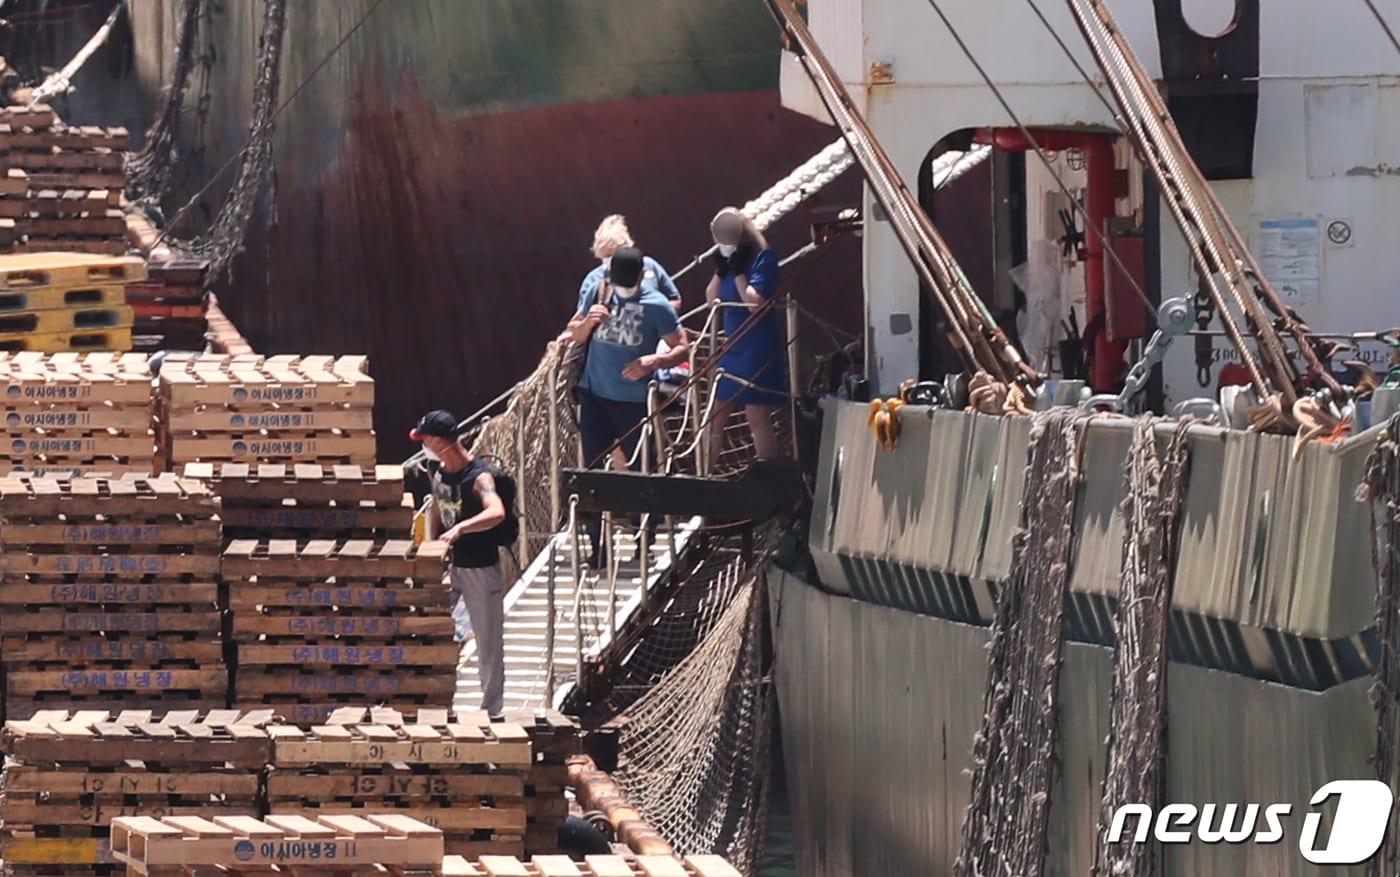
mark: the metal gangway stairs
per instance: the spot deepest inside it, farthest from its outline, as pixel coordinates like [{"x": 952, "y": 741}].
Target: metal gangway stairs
[{"x": 559, "y": 614}]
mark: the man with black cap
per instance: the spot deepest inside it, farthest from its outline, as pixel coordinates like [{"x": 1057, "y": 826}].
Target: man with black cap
[
  {"x": 621, "y": 319},
  {"x": 467, "y": 511}
]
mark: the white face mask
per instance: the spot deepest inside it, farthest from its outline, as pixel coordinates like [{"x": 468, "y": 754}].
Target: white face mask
[
  {"x": 431, "y": 454},
  {"x": 627, "y": 292},
  {"x": 727, "y": 250}
]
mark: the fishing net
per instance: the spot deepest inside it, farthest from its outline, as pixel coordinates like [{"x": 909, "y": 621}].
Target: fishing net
[
  {"x": 1156, "y": 485},
  {"x": 695, "y": 750},
  {"x": 532, "y": 450},
  {"x": 1005, "y": 826},
  {"x": 1381, "y": 490},
  {"x": 148, "y": 172},
  {"x": 223, "y": 239}
]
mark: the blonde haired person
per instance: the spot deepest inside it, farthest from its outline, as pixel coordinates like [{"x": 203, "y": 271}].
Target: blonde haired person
[
  {"x": 612, "y": 235},
  {"x": 746, "y": 276}
]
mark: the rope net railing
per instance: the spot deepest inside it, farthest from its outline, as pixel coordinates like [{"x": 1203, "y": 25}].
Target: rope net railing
[
  {"x": 695, "y": 751},
  {"x": 1380, "y": 489}
]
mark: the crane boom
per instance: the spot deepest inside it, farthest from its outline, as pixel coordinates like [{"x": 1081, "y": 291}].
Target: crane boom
[
  {"x": 981, "y": 343},
  {"x": 1228, "y": 270}
]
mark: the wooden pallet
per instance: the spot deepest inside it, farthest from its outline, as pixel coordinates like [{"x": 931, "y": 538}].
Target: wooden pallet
[
  {"x": 503, "y": 744},
  {"x": 30, "y": 270},
  {"x": 465, "y": 777},
  {"x": 51, "y": 298},
  {"x": 264, "y": 385},
  {"x": 591, "y": 866},
  {"x": 20, "y": 418},
  {"x": 143, "y": 497},
  {"x": 349, "y": 841},
  {"x": 58, "y": 342},
  {"x": 178, "y": 738},
  {"x": 320, "y": 559},
  {"x": 110, "y": 592},
  {"x": 380, "y": 486},
  {"x": 308, "y": 500},
  {"x": 58, "y": 320}
]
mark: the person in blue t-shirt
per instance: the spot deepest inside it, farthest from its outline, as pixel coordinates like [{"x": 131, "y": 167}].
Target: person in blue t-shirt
[
  {"x": 746, "y": 276},
  {"x": 622, "y": 318}
]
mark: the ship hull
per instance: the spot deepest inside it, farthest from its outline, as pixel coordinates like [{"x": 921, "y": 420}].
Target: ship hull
[
  {"x": 437, "y": 183},
  {"x": 879, "y": 707}
]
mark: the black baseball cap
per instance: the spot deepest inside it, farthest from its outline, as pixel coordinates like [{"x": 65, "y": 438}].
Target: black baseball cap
[
  {"x": 625, "y": 267},
  {"x": 438, "y": 423}
]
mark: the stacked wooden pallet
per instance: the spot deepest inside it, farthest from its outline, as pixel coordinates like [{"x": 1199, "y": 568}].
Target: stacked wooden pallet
[
  {"x": 466, "y": 777},
  {"x": 308, "y": 500},
  {"x": 66, "y": 301},
  {"x": 66, "y": 777},
  {"x": 109, "y": 597},
  {"x": 73, "y": 182},
  {"x": 68, "y": 412},
  {"x": 170, "y": 306},
  {"x": 591, "y": 866},
  {"x": 276, "y": 409},
  {"x": 554, "y": 739},
  {"x": 330, "y": 623},
  {"x": 342, "y": 845}
]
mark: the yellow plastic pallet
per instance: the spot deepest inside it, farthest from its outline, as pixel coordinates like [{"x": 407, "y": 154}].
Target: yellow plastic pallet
[
  {"x": 30, "y": 270},
  {"x": 66, "y": 320},
  {"x": 53, "y": 297},
  {"x": 61, "y": 342}
]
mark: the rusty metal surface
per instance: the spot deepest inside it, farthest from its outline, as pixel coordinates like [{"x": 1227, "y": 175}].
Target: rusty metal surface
[{"x": 438, "y": 183}]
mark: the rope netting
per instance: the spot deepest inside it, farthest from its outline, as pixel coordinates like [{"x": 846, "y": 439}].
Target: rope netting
[
  {"x": 695, "y": 749},
  {"x": 1380, "y": 488},
  {"x": 1005, "y": 827},
  {"x": 522, "y": 438},
  {"x": 1156, "y": 488},
  {"x": 149, "y": 171}
]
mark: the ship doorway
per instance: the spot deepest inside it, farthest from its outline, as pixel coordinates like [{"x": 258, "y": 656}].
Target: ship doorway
[{"x": 980, "y": 210}]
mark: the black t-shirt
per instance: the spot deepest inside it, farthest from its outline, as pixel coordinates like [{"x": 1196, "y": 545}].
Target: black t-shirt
[{"x": 455, "y": 497}]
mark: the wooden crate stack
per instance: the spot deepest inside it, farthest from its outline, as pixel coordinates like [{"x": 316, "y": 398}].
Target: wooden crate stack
[
  {"x": 66, "y": 777},
  {"x": 345, "y": 846},
  {"x": 109, "y": 597},
  {"x": 171, "y": 306},
  {"x": 308, "y": 500},
  {"x": 554, "y": 739},
  {"x": 73, "y": 179},
  {"x": 465, "y": 776},
  {"x": 328, "y": 623},
  {"x": 77, "y": 412},
  {"x": 56, "y": 302},
  {"x": 276, "y": 409},
  {"x": 591, "y": 866}
]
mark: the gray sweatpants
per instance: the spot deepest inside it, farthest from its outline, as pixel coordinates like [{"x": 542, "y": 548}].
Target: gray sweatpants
[{"x": 483, "y": 591}]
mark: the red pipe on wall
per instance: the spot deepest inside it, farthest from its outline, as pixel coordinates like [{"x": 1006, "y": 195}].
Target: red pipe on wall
[{"x": 1106, "y": 366}]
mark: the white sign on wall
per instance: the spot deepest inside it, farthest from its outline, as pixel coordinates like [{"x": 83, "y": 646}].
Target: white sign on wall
[{"x": 1290, "y": 252}]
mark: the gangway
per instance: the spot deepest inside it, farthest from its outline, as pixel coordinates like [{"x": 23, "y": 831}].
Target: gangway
[{"x": 543, "y": 657}]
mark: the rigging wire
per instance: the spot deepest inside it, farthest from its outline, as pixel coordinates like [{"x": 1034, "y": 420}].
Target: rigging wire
[
  {"x": 204, "y": 190},
  {"x": 1385, "y": 26},
  {"x": 1217, "y": 244},
  {"x": 1045, "y": 160}
]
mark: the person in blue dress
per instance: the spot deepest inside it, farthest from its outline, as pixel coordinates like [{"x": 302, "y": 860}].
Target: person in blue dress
[{"x": 754, "y": 369}]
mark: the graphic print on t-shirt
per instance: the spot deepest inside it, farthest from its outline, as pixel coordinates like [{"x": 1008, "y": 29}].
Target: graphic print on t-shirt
[{"x": 624, "y": 327}]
